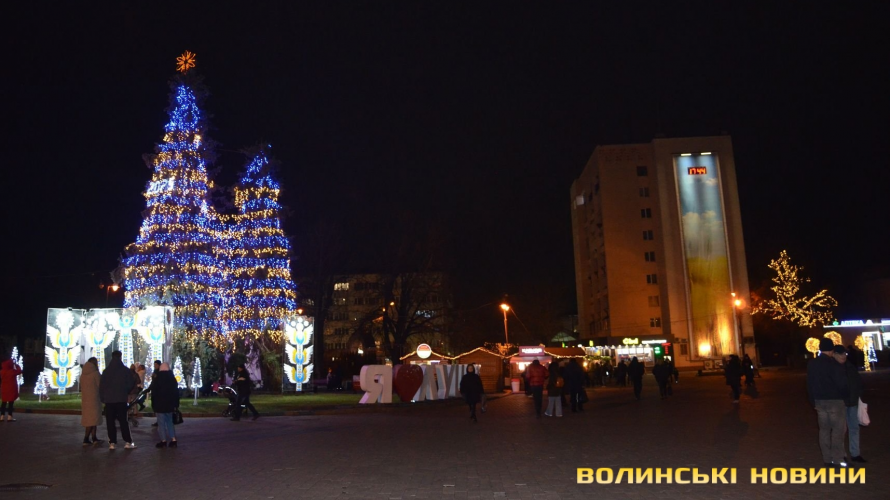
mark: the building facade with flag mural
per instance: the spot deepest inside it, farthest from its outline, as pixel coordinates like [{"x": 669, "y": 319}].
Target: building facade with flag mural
[{"x": 659, "y": 249}]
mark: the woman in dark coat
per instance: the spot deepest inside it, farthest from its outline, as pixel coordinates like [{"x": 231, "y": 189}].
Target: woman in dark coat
[
  {"x": 662, "y": 375},
  {"x": 165, "y": 399},
  {"x": 635, "y": 371},
  {"x": 471, "y": 389},
  {"x": 733, "y": 373}
]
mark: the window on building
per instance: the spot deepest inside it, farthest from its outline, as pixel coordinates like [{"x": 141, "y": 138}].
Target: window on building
[
  {"x": 339, "y": 301},
  {"x": 653, "y": 301},
  {"x": 684, "y": 349},
  {"x": 357, "y": 301},
  {"x": 646, "y": 213},
  {"x": 655, "y": 322},
  {"x": 341, "y": 286},
  {"x": 644, "y": 192},
  {"x": 642, "y": 171},
  {"x": 648, "y": 235},
  {"x": 652, "y": 279},
  {"x": 340, "y": 316},
  {"x": 650, "y": 256}
]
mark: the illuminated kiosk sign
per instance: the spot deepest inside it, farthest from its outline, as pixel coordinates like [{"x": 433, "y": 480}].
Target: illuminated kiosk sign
[
  {"x": 712, "y": 330},
  {"x": 531, "y": 351},
  {"x": 424, "y": 351},
  {"x": 633, "y": 341}
]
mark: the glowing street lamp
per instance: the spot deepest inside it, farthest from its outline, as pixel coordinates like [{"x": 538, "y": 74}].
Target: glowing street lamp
[
  {"x": 505, "y": 308},
  {"x": 110, "y": 288}
]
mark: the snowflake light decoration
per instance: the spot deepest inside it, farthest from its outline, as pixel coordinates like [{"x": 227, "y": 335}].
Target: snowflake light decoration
[{"x": 185, "y": 62}]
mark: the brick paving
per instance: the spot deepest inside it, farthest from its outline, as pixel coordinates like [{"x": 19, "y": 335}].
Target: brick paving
[{"x": 437, "y": 452}]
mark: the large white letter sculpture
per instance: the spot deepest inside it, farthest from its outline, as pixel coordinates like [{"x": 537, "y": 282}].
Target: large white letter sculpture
[
  {"x": 376, "y": 381},
  {"x": 428, "y": 389}
]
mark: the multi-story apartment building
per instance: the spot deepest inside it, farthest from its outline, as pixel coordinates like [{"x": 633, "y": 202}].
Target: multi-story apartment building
[
  {"x": 659, "y": 251},
  {"x": 364, "y": 306}
]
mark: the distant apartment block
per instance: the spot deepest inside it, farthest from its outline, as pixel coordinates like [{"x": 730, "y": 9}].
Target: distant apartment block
[{"x": 659, "y": 249}]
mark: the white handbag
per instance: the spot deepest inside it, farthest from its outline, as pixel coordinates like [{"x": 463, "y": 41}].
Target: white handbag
[{"x": 863, "y": 413}]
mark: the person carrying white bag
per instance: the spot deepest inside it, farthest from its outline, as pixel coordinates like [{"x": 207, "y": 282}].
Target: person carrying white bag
[{"x": 855, "y": 406}]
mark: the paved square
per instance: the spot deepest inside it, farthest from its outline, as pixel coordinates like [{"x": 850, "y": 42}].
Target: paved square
[{"x": 421, "y": 452}]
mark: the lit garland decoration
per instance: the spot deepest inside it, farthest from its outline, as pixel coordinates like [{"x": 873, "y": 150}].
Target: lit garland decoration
[
  {"x": 20, "y": 362},
  {"x": 177, "y": 372},
  {"x": 151, "y": 327},
  {"x": 125, "y": 339},
  {"x": 801, "y": 310},
  {"x": 298, "y": 334},
  {"x": 100, "y": 331},
  {"x": 149, "y": 367},
  {"x": 40, "y": 388},
  {"x": 863, "y": 345},
  {"x": 870, "y": 355},
  {"x": 813, "y": 345},
  {"x": 63, "y": 348},
  {"x": 835, "y": 338},
  {"x": 260, "y": 291},
  {"x": 185, "y": 62},
  {"x": 196, "y": 375},
  {"x": 177, "y": 259}
]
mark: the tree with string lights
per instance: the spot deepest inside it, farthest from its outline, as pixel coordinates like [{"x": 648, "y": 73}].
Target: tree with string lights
[
  {"x": 260, "y": 292},
  {"x": 177, "y": 259},
  {"x": 789, "y": 302}
]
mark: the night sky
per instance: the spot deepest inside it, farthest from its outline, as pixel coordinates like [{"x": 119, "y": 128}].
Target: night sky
[{"x": 475, "y": 117}]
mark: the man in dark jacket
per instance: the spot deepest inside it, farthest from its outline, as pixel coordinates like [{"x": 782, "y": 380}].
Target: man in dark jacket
[
  {"x": 854, "y": 384},
  {"x": 537, "y": 374},
  {"x": 115, "y": 385},
  {"x": 827, "y": 388},
  {"x": 574, "y": 377},
  {"x": 243, "y": 385}
]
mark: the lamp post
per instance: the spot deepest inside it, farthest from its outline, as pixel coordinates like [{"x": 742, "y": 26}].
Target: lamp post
[
  {"x": 736, "y": 305},
  {"x": 108, "y": 289},
  {"x": 505, "y": 308}
]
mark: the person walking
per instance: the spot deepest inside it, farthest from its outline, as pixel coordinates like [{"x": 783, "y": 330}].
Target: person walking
[
  {"x": 733, "y": 373},
  {"x": 621, "y": 373},
  {"x": 115, "y": 385},
  {"x": 660, "y": 371},
  {"x": 90, "y": 405},
  {"x": 243, "y": 385},
  {"x": 165, "y": 399},
  {"x": 574, "y": 377},
  {"x": 635, "y": 371},
  {"x": 828, "y": 391},
  {"x": 537, "y": 374},
  {"x": 555, "y": 384},
  {"x": 854, "y": 386},
  {"x": 471, "y": 389},
  {"x": 9, "y": 388},
  {"x": 748, "y": 370}
]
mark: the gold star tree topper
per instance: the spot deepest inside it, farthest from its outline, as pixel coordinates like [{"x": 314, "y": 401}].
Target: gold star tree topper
[{"x": 185, "y": 62}]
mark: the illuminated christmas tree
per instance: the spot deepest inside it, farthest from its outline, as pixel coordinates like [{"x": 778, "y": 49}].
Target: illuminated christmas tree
[
  {"x": 789, "y": 303},
  {"x": 176, "y": 259},
  {"x": 40, "y": 388},
  {"x": 20, "y": 362},
  {"x": 260, "y": 291},
  {"x": 177, "y": 373}
]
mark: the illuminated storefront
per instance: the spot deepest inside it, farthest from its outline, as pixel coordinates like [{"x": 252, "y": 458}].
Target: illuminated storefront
[{"x": 874, "y": 331}]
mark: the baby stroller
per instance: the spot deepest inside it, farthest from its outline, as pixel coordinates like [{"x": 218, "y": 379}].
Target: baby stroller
[
  {"x": 230, "y": 393},
  {"x": 135, "y": 406}
]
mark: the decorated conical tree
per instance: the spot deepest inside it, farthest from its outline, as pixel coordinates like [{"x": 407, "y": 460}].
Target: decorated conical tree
[
  {"x": 260, "y": 291},
  {"x": 176, "y": 259}
]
